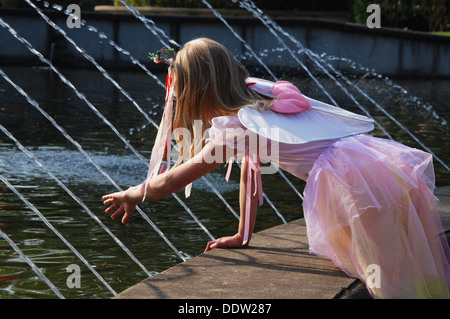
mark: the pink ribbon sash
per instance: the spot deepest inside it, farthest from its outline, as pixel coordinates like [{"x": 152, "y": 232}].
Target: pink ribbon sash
[
  {"x": 162, "y": 147},
  {"x": 255, "y": 167},
  {"x": 252, "y": 166}
]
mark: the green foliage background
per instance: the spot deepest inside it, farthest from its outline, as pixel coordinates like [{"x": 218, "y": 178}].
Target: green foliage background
[{"x": 421, "y": 15}]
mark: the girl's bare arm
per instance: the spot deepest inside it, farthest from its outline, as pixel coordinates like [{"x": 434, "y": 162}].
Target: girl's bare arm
[{"x": 164, "y": 184}]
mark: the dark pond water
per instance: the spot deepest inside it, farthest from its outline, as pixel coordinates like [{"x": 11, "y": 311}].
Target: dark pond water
[{"x": 17, "y": 280}]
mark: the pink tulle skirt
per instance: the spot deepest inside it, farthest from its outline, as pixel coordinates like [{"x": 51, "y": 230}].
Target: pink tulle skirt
[{"x": 369, "y": 207}]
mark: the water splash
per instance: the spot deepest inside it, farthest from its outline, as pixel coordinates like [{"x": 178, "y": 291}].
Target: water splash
[
  {"x": 258, "y": 14},
  {"x": 424, "y": 109},
  {"x": 60, "y": 183},
  {"x": 106, "y": 75},
  {"x": 29, "y": 261},
  {"x": 150, "y": 24},
  {"x": 135, "y": 61},
  {"x": 269, "y": 23},
  {"x": 49, "y": 225},
  {"x": 82, "y": 97},
  {"x": 218, "y": 15}
]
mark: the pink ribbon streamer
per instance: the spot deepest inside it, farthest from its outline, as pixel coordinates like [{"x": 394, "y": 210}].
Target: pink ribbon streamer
[
  {"x": 255, "y": 167},
  {"x": 162, "y": 147}
]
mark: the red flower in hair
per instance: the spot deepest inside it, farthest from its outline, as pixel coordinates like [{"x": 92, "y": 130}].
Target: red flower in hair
[{"x": 166, "y": 55}]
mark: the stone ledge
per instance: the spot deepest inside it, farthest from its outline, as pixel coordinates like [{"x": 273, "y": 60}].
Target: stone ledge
[{"x": 277, "y": 265}]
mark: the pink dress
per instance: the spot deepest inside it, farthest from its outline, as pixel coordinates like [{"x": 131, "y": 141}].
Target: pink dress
[{"x": 368, "y": 206}]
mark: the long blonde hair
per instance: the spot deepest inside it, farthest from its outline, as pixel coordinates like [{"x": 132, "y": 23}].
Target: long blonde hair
[{"x": 209, "y": 82}]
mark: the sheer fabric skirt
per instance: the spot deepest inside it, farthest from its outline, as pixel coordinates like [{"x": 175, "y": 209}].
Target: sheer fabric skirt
[{"x": 369, "y": 207}]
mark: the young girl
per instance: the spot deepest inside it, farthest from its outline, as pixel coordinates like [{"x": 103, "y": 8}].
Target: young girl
[{"x": 368, "y": 202}]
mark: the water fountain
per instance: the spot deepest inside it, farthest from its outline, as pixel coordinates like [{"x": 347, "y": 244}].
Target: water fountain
[{"x": 92, "y": 159}]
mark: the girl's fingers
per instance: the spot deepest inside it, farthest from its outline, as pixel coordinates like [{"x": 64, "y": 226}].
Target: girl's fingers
[
  {"x": 111, "y": 208},
  {"x": 117, "y": 205},
  {"x": 126, "y": 217},
  {"x": 211, "y": 245},
  {"x": 207, "y": 246},
  {"x": 113, "y": 205},
  {"x": 117, "y": 212},
  {"x": 108, "y": 201},
  {"x": 110, "y": 196}
]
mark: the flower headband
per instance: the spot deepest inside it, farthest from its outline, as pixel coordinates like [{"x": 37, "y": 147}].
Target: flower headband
[{"x": 166, "y": 55}]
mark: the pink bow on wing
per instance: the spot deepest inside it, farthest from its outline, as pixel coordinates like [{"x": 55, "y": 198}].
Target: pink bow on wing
[{"x": 288, "y": 99}]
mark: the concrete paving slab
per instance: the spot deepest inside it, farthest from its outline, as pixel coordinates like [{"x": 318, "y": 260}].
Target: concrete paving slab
[{"x": 277, "y": 265}]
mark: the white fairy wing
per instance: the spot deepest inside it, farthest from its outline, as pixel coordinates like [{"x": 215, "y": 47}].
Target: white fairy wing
[{"x": 322, "y": 122}]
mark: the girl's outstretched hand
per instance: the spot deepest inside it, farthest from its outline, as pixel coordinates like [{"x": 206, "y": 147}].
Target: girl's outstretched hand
[
  {"x": 225, "y": 242},
  {"x": 123, "y": 202}
]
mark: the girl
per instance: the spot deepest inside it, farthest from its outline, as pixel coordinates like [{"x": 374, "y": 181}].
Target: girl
[{"x": 368, "y": 202}]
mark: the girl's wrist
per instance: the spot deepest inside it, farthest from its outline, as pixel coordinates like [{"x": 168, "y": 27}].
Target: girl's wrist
[
  {"x": 134, "y": 194},
  {"x": 147, "y": 191},
  {"x": 142, "y": 191},
  {"x": 239, "y": 239}
]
